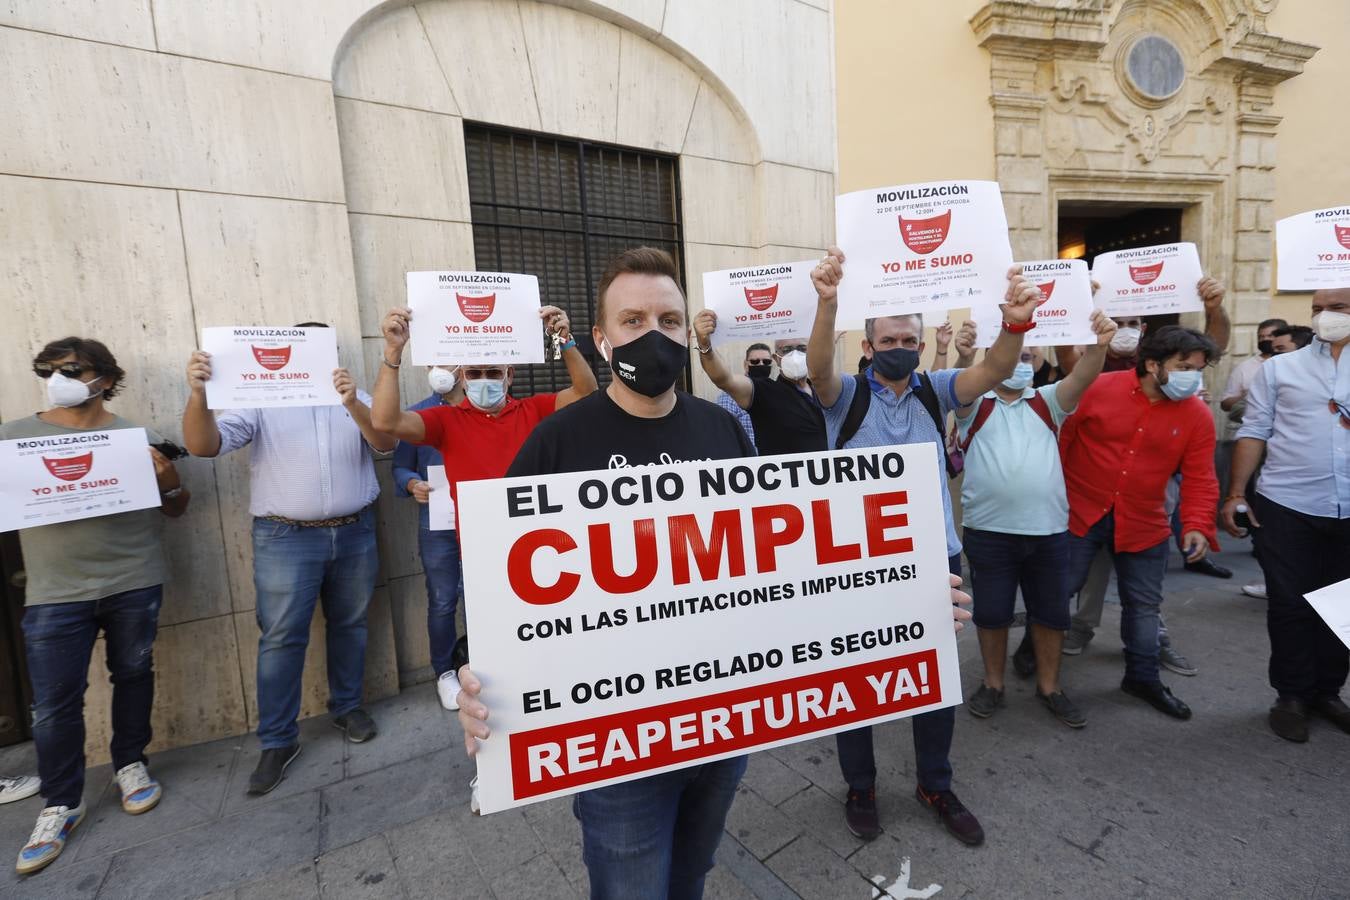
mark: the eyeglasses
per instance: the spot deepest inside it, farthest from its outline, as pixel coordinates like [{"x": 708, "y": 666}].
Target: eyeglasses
[
  {"x": 70, "y": 369},
  {"x": 1341, "y": 410},
  {"x": 477, "y": 374}
]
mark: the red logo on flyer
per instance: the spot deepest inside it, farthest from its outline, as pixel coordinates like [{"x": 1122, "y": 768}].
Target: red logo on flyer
[
  {"x": 1046, "y": 290},
  {"x": 1343, "y": 235},
  {"x": 761, "y": 299},
  {"x": 925, "y": 235},
  {"x": 1146, "y": 274},
  {"x": 272, "y": 358},
  {"x": 70, "y": 468},
  {"x": 476, "y": 309}
]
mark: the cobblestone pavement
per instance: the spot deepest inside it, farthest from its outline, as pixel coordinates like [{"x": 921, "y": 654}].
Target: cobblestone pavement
[{"x": 1133, "y": 805}]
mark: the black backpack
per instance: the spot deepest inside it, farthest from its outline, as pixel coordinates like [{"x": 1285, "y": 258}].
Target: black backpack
[{"x": 924, "y": 390}]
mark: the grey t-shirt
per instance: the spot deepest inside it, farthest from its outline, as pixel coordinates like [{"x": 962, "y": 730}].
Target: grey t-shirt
[{"x": 93, "y": 558}]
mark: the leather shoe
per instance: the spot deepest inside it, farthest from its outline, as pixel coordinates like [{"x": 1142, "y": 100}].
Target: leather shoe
[
  {"x": 1157, "y": 695},
  {"x": 1334, "y": 710},
  {"x": 1209, "y": 567},
  {"x": 860, "y": 814},
  {"x": 1289, "y": 719},
  {"x": 959, "y": 821}
]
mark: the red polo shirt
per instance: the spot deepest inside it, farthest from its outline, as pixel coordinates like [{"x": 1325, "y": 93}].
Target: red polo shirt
[
  {"x": 1119, "y": 451},
  {"x": 475, "y": 445}
]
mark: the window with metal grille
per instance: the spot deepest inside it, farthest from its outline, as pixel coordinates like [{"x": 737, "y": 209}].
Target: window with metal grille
[{"x": 560, "y": 209}]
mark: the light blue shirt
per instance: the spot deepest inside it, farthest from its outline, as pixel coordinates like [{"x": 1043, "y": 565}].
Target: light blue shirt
[
  {"x": 1307, "y": 465},
  {"x": 1014, "y": 482},
  {"x": 308, "y": 462},
  {"x": 900, "y": 419},
  {"x": 724, "y": 400}
]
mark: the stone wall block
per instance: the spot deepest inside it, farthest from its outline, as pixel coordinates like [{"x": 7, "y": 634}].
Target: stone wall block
[
  {"x": 796, "y": 205},
  {"x": 718, "y": 199},
  {"x": 391, "y": 61},
  {"x": 574, "y": 59},
  {"x": 481, "y": 47},
  {"x": 402, "y": 162},
  {"x": 718, "y": 132},
  {"x": 656, "y": 96},
  {"x": 125, "y": 22},
  {"x": 408, "y": 605},
  {"x": 386, "y": 248}
]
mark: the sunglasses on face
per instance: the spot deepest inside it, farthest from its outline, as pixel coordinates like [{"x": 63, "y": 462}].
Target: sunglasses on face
[
  {"x": 477, "y": 374},
  {"x": 760, "y": 364},
  {"x": 70, "y": 369}
]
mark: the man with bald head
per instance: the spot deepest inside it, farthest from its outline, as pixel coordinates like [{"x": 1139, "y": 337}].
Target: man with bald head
[{"x": 1298, "y": 414}]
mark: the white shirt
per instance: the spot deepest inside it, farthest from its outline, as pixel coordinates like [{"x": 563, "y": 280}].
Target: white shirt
[{"x": 1239, "y": 383}]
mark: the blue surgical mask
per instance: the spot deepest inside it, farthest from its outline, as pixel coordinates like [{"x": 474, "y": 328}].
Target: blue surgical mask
[
  {"x": 486, "y": 393},
  {"x": 1182, "y": 384},
  {"x": 1021, "y": 377}
]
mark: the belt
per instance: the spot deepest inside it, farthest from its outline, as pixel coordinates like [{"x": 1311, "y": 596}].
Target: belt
[{"x": 334, "y": 522}]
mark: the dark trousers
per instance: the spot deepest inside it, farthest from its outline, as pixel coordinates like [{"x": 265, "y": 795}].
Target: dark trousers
[
  {"x": 932, "y": 743},
  {"x": 60, "y": 641},
  {"x": 1299, "y": 554}
]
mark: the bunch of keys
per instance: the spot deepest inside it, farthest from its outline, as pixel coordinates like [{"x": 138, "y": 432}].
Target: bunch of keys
[{"x": 558, "y": 342}]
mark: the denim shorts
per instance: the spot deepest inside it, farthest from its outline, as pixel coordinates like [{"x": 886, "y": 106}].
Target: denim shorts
[{"x": 1001, "y": 563}]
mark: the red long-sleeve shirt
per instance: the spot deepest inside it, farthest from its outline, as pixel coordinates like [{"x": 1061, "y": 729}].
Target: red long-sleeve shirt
[{"x": 1119, "y": 450}]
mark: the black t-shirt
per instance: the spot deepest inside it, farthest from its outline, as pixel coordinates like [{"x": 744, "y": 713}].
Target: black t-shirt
[
  {"x": 594, "y": 433},
  {"x": 1046, "y": 374},
  {"x": 786, "y": 419}
]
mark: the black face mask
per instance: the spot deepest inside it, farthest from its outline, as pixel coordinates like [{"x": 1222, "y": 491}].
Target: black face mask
[
  {"x": 895, "y": 364},
  {"x": 760, "y": 370},
  {"x": 1265, "y": 348},
  {"x": 650, "y": 364}
]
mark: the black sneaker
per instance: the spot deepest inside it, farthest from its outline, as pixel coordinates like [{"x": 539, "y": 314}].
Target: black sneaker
[
  {"x": 1157, "y": 695},
  {"x": 860, "y": 814},
  {"x": 984, "y": 702},
  {"x": 1024, "y": 657},
  {"x": 959, "y": 821},
  {"x": 1062, "y": 708},
  {"x": 357, "y": 725},
  {"x": 271, "y": 768}
]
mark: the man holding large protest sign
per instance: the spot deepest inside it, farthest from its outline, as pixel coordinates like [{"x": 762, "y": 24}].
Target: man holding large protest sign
[
  {"x": 901, "y": 406},
  {"x": 85, "y": 575}
]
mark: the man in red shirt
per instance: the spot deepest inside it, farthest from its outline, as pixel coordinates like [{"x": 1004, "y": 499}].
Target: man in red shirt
[
  {"x": 478, "y": 438},
  {"x": 1132, "y": 432}
]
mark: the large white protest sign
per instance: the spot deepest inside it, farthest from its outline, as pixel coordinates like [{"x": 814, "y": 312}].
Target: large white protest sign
[
  {"x": 440, "y": 505},
  {"x": 921, "y": 247},
  {"x": 1333, "y": 605},
  {"x": 629, "y": 622},
  {"x": 1147, "y": 281},
  {"x": 267, "y": 367},
  {"x": 63, "y": 477},
  {"x": 761, "y": 302},
  {"x": 1313, "y": 250},
  {"x": 474, "y": 318},
  {"x": 1064, "y": 315}
]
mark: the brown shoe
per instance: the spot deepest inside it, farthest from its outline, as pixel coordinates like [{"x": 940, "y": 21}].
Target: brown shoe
[
  {"x": 860, "y": 814},
  {"x": 1334, "y": 710},
  {"x": 1289, "y": 719},
  {"x": 959, "y": 821}
]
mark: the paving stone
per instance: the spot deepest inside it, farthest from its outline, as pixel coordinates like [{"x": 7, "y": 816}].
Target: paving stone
[
  {"x": 771, "y": 779},
  {"x": 722, "y": 885},
  {"x": 536, "y": 877},
  {"x": 560, "y": 833},
  {"x": 430, "y": 854},
  {"x": 296, "y": 883},
  {"x": 500, "y": 842},
  {"x": 813, "y": 871},
  {"x": 359, "y": 807},
  {"x": 361, "y": 871},
  {"x": 734, "y": 860},
  {"x": 823, "y": 814},
  {"x": 322, "y": 752},
  {"x": 412, "y": 724},
  {"x": 758, "y": 825},
  {"x": 62, "y": 880}
]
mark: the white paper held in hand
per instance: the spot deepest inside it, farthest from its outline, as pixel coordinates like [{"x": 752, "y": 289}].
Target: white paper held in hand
[
  {"x": 474, "y": 317},
  {"x": 1333, "y": 605},
  {"x": 440, "y": 505},
  {"x": 259, "y": 367}
]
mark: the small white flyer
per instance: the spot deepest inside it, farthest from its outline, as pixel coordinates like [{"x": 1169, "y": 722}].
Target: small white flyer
[
  {"x": 474, "y": 318},
  {"x": 262, "y": 367},
  {"x": 1147, "y": 281},
  {"x": 440, "y": 505},
  {"x": 761, "y": 303}
]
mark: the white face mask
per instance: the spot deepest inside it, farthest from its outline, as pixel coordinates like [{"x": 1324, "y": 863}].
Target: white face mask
[
  {"x": 793, "y": 365},
  {"x": 442, "y": 381},
  {"x": 66, "y": 392},
  {"x": 1125, "y": 341},
  {"x": 1331, "y": 326}
]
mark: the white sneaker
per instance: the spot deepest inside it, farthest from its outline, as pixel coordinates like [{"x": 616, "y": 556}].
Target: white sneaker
[
  {"x": 447, "y": 687},
  {"x": 140, "y": 792},
  {"x": 1256, "y": 589},
  {"x": 473, "y": 796},
  {"x": 54, "y": 825},
  {"x": 18, "y": 787}
]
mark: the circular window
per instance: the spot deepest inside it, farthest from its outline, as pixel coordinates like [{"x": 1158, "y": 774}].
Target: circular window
[{"x": 1154, "y": 67}]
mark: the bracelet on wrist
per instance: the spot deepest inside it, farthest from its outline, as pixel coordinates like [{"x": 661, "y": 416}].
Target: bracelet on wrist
[
  {"x": 570, "y": 345},
  {"x": 701, "y": 349},
  {"x": 1019, "y": 328},
  {"x": 942, "y": 352},
  {"x": 389, "y": 364}
]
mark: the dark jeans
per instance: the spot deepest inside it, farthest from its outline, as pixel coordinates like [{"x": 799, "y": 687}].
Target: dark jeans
[
  {"x": 293, "y": 567},
  {"x": 60, "y": 640},
  {"x": 932, "y": 743},
  {"x": 440, "y": 563},
  {"x": 1000, "y": 563},
  {"x": 1299, "y": 554},
  {"x": 655, "y": 838},
  {"x": 1139, "y": 578}
]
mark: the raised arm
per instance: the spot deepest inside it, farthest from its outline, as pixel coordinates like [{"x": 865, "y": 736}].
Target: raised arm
[
  {"x": 738, "y": 386},
  {"x": 1217, "y": 324},
  {"x": 820, "y": 368},
  {"x": 1018, "y": 306},
  {"x": 965, "y": 345},
  {"x": 1070, "y": 389},
  {"x": 386, "y": 412},
  {"x": 345, "y": 385},
  {"x": 942, "y": 337},
  {"x": 200, "y": 434},
  {"x": 583, "y": 379}
]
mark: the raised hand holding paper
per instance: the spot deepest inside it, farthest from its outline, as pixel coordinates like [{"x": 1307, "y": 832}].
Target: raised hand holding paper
[
  {"x": 921, "y": 247},
  {"x": 440, "y": 505},
  {"x": 761, "y": 302},
  {"x": 1146, "y": 281},
  {"x": 1063, "y": 317},
  {"x": 258, "y": 367},
  {"x": 1313, "y": 250},
  {"x": 475, "y": 318},
  {"x": 61, "y": 478}
]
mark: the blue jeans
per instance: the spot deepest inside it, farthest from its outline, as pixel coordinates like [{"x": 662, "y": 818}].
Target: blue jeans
[
  {"x": 1000, "y": 563},
  {"x": 293, "y": 567},
  {"x": 1139, "y": 578},
  {"x": 932, "y": 743},
  {"x": 655, "y": 838},
  {"x": 440, "y": 563},
  {"x": 60, "y": 640}
]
